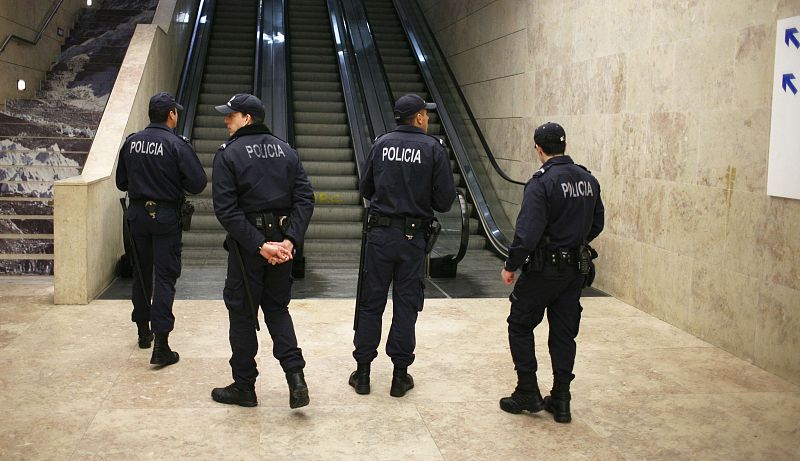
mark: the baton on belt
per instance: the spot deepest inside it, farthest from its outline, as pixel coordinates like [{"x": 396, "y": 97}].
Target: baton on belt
[
  {"x": 361, "y": 268},
  {"x": 234, "y": 246},
  {"x": 134, "y": 254}
]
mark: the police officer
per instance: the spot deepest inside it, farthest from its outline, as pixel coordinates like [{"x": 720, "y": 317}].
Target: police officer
[
  {"x": 155, "y": 167},
  {"x": 407, "y": 177},
  {"x": 561, "y": 213},
  {"x": 264, "y": 200}
]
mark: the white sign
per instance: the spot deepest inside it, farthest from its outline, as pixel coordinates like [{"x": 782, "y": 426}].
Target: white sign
[{"x": 783, "y": 177}]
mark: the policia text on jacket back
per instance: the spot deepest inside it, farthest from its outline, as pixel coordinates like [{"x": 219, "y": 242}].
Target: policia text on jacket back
[
  {"x": 561, "y": 213},
  {"x": 155, "y": 167},
  {"x": 407, "y": 176},
  {"x": 264, "y": 200}
]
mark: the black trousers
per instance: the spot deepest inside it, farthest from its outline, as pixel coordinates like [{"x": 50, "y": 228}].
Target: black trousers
[
  {"x": 271, "y": 289},
  {"x": 559, "y": 294},
  {"x": 158, "y": 249},
  {"x": 390, "y": 259}
]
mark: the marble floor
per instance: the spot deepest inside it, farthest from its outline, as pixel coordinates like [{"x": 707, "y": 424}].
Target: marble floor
[{"x": 75, "y": 386}]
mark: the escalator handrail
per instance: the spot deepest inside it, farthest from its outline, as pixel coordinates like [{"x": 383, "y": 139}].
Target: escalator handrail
[
  {"x": 262, "y": 24},
  {"x": 462, "y": 248},
  {"x": 271, "y": 83},
  {"x": 188, "y": 92},
  {"x": 351, "y": 88},
  {"x": 495, "y": 236},
  {"x": 446, "y": 65},
  {"x": 378, "y": 93}
]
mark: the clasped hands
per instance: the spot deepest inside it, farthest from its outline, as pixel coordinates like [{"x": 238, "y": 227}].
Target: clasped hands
[{"x": 277, "y": 252}]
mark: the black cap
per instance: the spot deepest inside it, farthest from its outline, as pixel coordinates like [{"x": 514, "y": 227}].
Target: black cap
[
  {"x": 551, "y": 137},
  {"x": 244, "y": 103},
  {"x": 409, "y": 105},
  {"x": 164, "y": 102}
]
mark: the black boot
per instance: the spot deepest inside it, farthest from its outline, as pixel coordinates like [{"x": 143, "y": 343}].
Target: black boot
[
  {"x": 557, "y": 402},
  {"x": 298, "y": 389},
  {"x": 235, "y": 394},
  {"x": 525, "y": 397},
  {"x": 359, "y": 379},
  {"x": 162, "y": 354},
  {"x": 145, "y": 335},
  {"x": 402, "y": 382}
]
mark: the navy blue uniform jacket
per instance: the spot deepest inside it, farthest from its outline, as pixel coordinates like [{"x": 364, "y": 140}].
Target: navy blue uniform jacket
[
  {"x": 561, "y": 200},
  {"x": 156, "y": 164},
  {"x": 256, "y": 172},
  {"x": 408, "y": 174}
]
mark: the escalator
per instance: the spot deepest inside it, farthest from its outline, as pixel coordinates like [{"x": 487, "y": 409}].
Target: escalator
[
  {"x": 413, "y": 62},
  {"x": 403, "y": 75},
  {"x": 228, "y": 69},
  {"x": 322, "y": 137}
]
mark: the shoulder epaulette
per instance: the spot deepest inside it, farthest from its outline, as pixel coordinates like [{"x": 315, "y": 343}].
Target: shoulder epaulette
[
  {"x": 379, "y": 137},
  {"x": 438, "y": 139},
  {"x": 185, "y": 139},
  {"x": 126, "y": 137},
  {"x": 541, "y": 171},
  {"x": 279, "y": 139},
  {"x": 587, "y": 170},
  {"x": 227, "y": 143}
]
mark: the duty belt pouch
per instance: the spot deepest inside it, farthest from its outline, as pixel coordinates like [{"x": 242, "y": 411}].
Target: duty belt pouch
[
  {"x": 187, "y": 210},
  {"x": 562, "y": 258},
  {"x": 431, "y": 234},
  {"x": 151, "y": 208},
  {"x": 274, "y": 227},
  {"x": 411, "y": 227},
  {"x": 589, "y": 279},
  {"x": 584, "y": 259}
]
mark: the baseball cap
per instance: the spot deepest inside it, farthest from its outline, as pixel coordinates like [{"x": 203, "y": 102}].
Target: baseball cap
[
  {"x": 163, "y": 102},
  {"x": 551, "y": 137},
  {"x": 409, "y": 105},
  {"x": 244, "y": 103}
]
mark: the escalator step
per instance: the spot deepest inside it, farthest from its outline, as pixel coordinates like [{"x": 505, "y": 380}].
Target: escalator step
[
  {"x": 329, "y": 96},
  {"x": 322, "y": 141},
  {"x": 318, "y": 154},
  {"x": 328, "y": 107},
  {"x": 319, "y": 129},
  {"x": 329, "y": 168},
  {"x": 319, "y": 117},
  {"x": 316, "y": 85}
]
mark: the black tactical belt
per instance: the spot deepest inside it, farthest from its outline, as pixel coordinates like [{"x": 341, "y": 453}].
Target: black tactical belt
[
  {"x": 554, "y": 258},
  {"x": 410, "y": 226},
  {"x": 268, "y": 220}
]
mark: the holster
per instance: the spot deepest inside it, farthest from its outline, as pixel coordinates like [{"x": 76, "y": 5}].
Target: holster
[
  {"x": 587, "y": 254},
  {"x": 186, "y": 212},
  {"x": 535, "y": 262},
  {"x": 431, "y": 234},
  {"x": 152, "y": 206}
]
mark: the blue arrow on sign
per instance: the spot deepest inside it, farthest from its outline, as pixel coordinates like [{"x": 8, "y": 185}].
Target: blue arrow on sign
[
  {"x": 787, "y": 82},
  {"x": 791, "y": 37}
]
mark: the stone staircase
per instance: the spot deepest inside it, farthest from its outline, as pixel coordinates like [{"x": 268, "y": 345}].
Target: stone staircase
[{"x": 48, "y": 138}]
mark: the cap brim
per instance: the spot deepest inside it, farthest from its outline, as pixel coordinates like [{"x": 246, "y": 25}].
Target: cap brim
[
  {"x": 224, "y": 109},
  {"x": 430, "y": 105},
  {"x": 178, "y": 106}
]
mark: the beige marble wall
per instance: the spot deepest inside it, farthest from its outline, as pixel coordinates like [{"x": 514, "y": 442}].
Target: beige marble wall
[
  {"x": 87, "y": 214},
  {"x": 668, "y": 102},
  {"x": 31, "y": 62}
]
